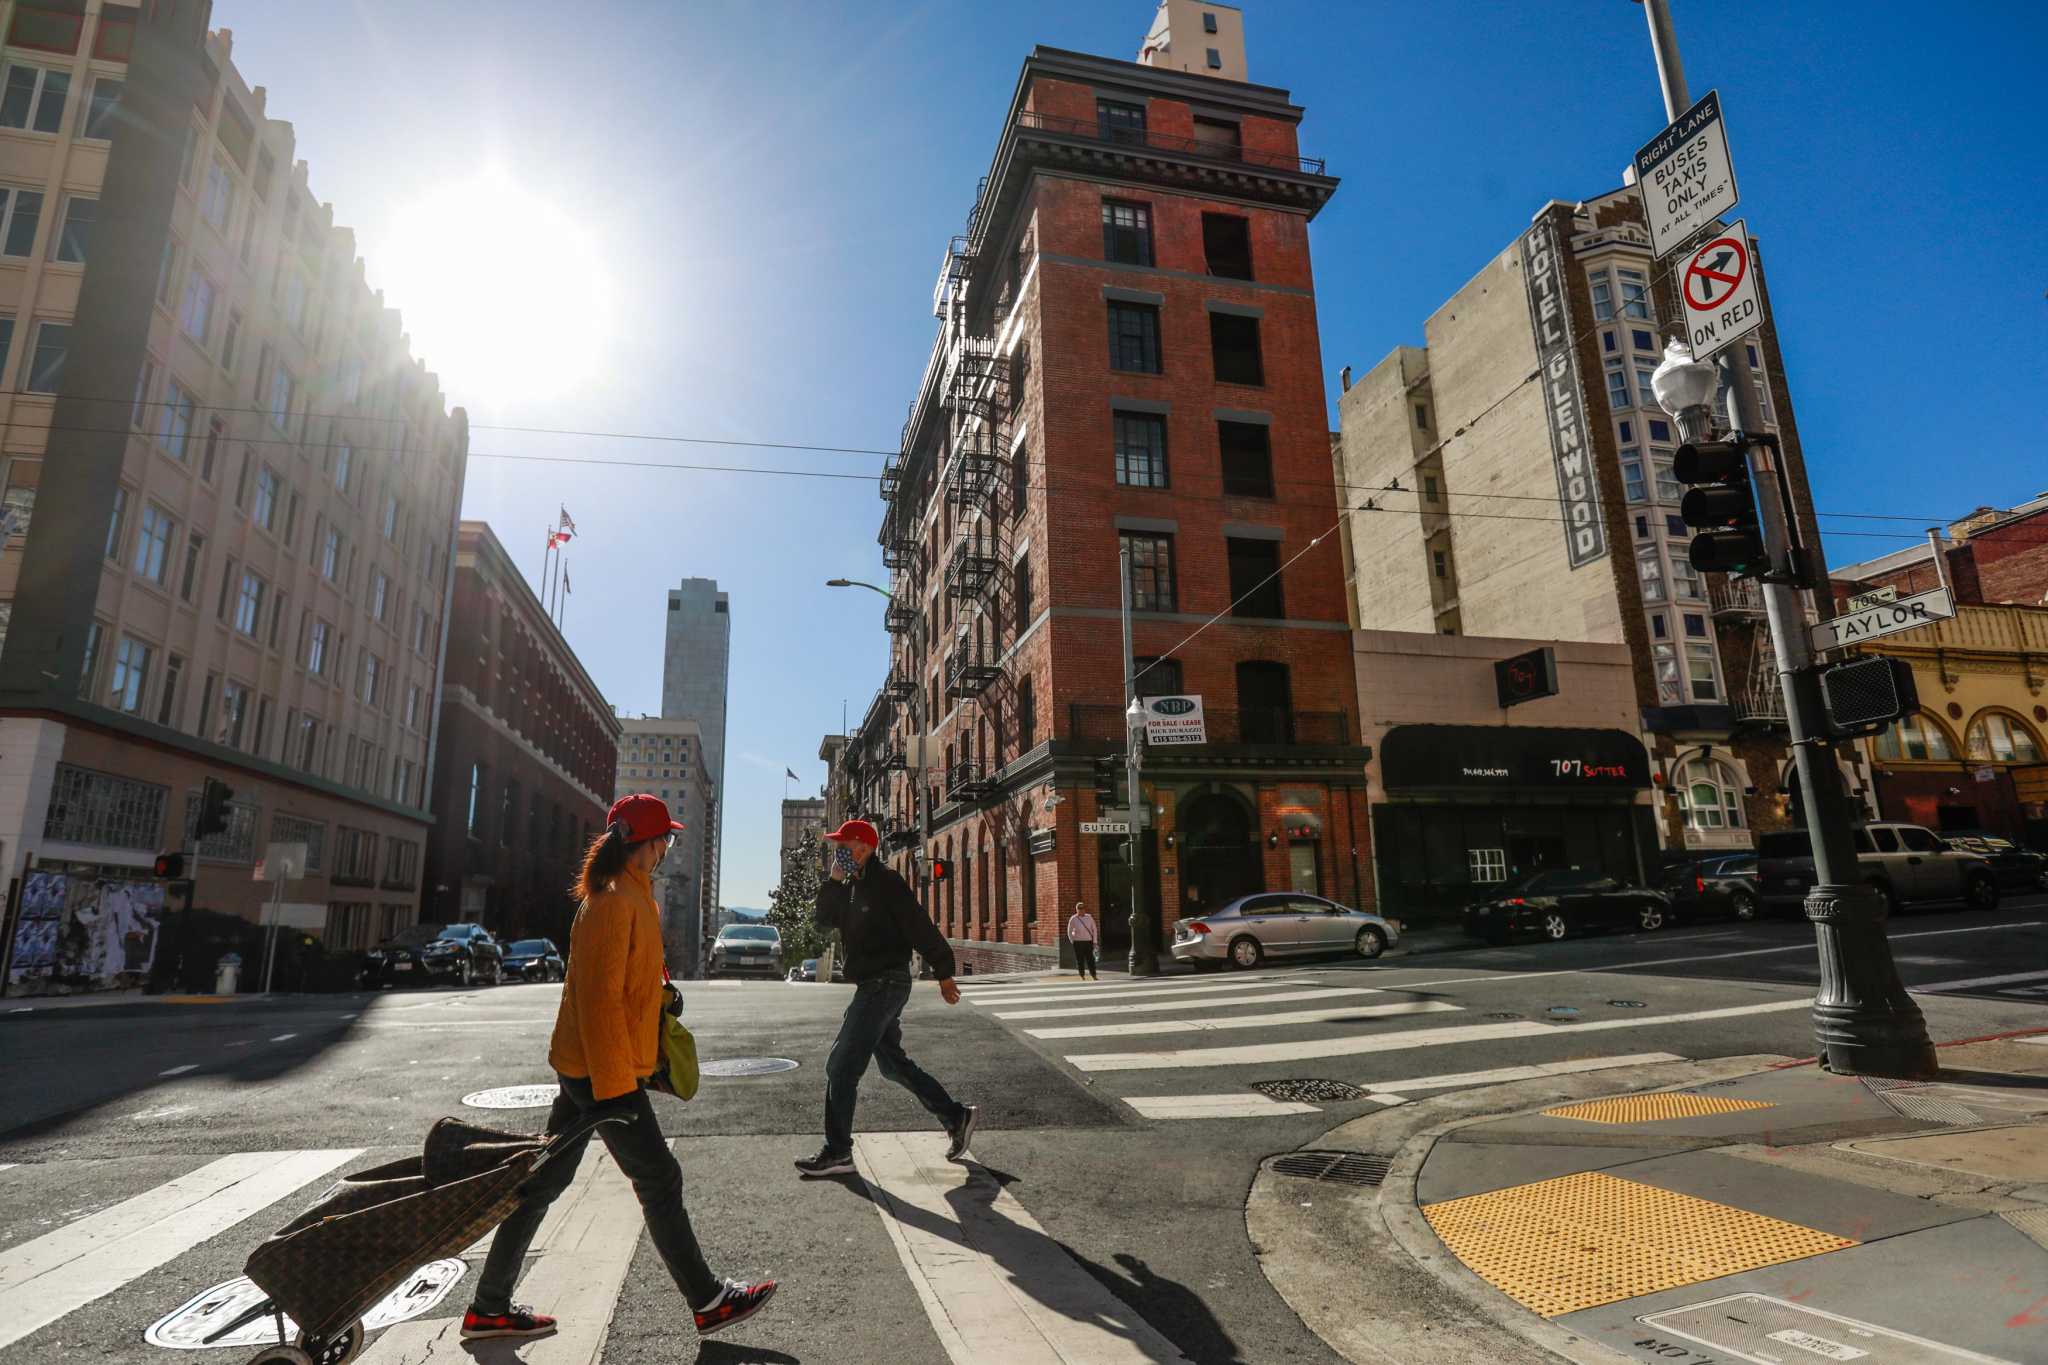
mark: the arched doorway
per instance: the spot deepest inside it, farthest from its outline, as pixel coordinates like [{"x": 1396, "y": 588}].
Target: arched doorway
[{"x": 1218, "y": 839}]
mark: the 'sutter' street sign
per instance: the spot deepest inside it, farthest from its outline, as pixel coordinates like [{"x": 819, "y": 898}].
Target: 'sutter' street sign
[
  {"x": 1886, "y": 618},
  {"x": 1105, "y": 827},
  {"x": 1685, "y": 175},
  {"x": 1718, "y": 287}
]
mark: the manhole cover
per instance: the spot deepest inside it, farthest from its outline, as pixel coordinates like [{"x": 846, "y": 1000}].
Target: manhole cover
[
  {"x": 1312, "y": 1090},
  {"x": 1338, "y": 1168},
  {"x": 513, "y": 1097},
  {"x": 746, "y": 1066},
  {"x": 1503, "y": 1014},
  {"x": 1627, "y": 1004}
]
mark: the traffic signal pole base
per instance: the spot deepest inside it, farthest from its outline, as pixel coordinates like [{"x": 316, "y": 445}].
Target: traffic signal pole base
[{"x": 1864, "y": 1022}]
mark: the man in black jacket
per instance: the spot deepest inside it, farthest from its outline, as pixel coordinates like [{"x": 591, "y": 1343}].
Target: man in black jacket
[{"x": 879, "y": 923}]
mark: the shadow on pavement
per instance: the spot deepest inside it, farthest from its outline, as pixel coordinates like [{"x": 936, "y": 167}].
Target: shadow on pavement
[{"x": 732, "y": 1353}]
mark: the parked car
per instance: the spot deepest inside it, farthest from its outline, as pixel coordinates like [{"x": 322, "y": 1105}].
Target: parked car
[
  {"x": 2017, "y": 869},
  {"x": 746, "y": 950},
  {"x": 1280, "y": 924},
  {"x": 1562, "y": 901},
  {"x": 807, "y": 970},
  {"x": 535, "y": 959},
  {"x": 1909, "y": 865},
  {"x": 419, "y": 954},
  {"x": 1721, "y": 886}
]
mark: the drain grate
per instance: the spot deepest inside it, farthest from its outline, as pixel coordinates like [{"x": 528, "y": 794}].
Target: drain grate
[
  {"x": 1503, "y": 1014},
  {"x": 1312, "y": 1090},
  {"x": 1337, "y": 1168},
  {"x": 1626, "y": 1004}
]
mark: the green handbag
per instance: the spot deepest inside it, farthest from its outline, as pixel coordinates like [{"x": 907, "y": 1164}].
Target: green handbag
[{"x": 675, "y": 1067}]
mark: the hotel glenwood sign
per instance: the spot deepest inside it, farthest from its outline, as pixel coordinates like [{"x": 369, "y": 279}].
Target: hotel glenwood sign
[{"x": 1564, "y": 402}]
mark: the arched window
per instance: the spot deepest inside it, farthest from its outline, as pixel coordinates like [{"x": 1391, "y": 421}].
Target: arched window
[
  {"x": 1915, "y": 738},
  {"x": 1998, "y": 738},
  {"x": 1711, "y": 793}
]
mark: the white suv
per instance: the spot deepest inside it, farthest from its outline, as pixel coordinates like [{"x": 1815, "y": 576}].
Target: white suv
[{"x": 1909, "y": 865}]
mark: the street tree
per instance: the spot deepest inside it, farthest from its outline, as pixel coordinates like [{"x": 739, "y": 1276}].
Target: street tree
[{"x": 790, "y": 906}]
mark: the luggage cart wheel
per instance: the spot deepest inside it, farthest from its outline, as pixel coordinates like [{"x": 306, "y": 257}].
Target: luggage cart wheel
[
  {"x": 281, "y": 1355},
  {"x": 338, "y": 1349}
]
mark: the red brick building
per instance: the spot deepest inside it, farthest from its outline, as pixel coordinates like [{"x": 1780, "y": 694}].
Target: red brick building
[
  {"x": 1127, "y": 358},
  {"x": 1992, "y": 557},
  {"x": 528, "y": 753}
]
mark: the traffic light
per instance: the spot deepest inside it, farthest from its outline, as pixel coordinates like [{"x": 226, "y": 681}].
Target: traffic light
[
  {"x": 1721, "y": 508},
  {"x": 213, "y": 808},
  {"x": 1105, "y": 782},
  {"x": 942, "y": 869},
  {"x": 170, "y": 865}
]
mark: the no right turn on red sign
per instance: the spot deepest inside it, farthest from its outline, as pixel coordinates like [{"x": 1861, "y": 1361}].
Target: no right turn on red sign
[{"x": 1718, "y": 286}]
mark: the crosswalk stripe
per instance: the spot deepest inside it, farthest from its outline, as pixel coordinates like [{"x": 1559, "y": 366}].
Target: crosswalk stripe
[
  {"x": 577, "y": 1278},
  {"x": 997, "y": 1289},
  {"x": 1970, "y": 982},
  {"x": 62, "y": 1271},
  {"x": 1393, "y": 1042},
  {"x": 1461, "y": 1079},
  {"x": 1245, "y": 1021},
  {"x": 1251, "y": 1106},
  {"x": 1152, "y": 992},
  {"x": 1213, "y": 1002}
]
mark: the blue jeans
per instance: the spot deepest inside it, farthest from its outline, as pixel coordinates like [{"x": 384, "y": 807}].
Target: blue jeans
[{"x": 873, "y": 1027}]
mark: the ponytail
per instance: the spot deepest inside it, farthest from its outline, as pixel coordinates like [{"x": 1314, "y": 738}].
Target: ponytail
[{"x": 603, "y": 861}]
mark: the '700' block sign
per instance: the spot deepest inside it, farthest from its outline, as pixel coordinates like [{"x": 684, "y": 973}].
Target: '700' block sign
[{"x": 1885, "y": 618}]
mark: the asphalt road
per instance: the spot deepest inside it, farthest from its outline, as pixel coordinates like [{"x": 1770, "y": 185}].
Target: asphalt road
[{"x": 110, "y": 1106}]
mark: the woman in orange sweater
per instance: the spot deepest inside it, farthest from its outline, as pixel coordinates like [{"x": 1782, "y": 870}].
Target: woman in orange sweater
[{"x": 605, "y": 1046}]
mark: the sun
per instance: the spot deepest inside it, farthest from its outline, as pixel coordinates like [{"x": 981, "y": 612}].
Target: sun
[{"x": 505, "y": 296}]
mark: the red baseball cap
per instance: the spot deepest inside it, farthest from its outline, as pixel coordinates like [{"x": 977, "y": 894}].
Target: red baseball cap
[
  {"x": 644, "y": 816},
  {"x": 855, "y": 832}
]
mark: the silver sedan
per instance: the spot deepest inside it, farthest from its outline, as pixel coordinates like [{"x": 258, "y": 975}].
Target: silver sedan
[{"x": 1280, "y": 924}]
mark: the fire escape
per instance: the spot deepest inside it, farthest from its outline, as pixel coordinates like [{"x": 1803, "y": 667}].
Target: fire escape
[{"x": 1760, "y": 700}]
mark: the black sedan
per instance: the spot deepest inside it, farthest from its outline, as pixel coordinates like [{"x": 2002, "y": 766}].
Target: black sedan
[
  {"x": 534, "y": 959},
  {"x": 1562, "y": 901},
  {"x": 420, "y": 954},
  {"x": 1721, "y": 886},
  {"x": 2016, "y": 868}
]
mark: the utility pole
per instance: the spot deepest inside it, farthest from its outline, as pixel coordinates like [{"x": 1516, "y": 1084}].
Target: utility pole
[
  {"x": 1144, "y": 960},
  {"x": 1864, "y": 1022}
]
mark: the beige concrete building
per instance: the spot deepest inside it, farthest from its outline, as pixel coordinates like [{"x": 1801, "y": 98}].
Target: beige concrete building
[
  {"x": 1188, "y": 35},
  {"x": 803, "y": 820},
  {"x": 234, "y": 495},
  {"x": 666, "y": 758}
]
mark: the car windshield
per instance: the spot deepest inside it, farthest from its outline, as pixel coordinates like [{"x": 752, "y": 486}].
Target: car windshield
[
  {"x": 1739, "y": 867},
  {"x": 462, "y": 931},
  {"x": 529, "y": 947},
  {"x": 752, "y": 933},
  {"x": 1790, "y": 843},
  {"x": 413, "y": 935}
]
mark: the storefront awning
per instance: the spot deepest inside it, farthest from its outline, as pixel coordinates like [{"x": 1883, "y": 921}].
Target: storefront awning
[{"x": 1477, "y": 759}]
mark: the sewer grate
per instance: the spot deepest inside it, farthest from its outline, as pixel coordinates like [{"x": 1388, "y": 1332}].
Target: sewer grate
[
  {"x": 746, "y": 1066},
  {"x": 1311, "y": 1090},
  {"x": 1338, "y": 1168},
  {"x": 1503, "y": 1014},
  {"x": 1626, "y": 1004}
]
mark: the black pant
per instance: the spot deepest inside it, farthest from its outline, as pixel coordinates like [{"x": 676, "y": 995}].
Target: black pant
[
  {"x": 1084, "y": 958},
  {"x": 873, "y": 1028},
  {"x": 644, "y": 1158}
]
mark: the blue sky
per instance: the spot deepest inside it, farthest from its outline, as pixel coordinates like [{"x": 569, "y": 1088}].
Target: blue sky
[{"x": 749, "y": 201}]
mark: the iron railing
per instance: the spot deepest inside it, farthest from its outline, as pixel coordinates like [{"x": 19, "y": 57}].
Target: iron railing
[
  {"x": 966, "y": 781},
  {"x": 972, "y": 566},
  {"x": 899, "y": 688},
  {"x": 970, "y": 670},
  {"x": 899, "y": 619},
  {"x": 1088, "y": 130},
  {"x": 1728, "y": 597},
  {"x": 973, "y": 477},
  {"x": 892, "y": 476},
  {"x": 1275, "y": 725}
]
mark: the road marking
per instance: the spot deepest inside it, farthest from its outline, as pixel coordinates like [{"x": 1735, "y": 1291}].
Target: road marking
[
  {"x": 1214, "y": 1002},
  {"x": 1393, "y": 1042},
  {"x": 1462, "y": 1079},
  {"x": 1253, "y": 1106},
  {"x": 1968, "y": 982},
  {"x": 284, "y": 1037},
  {"x": 42, "y": 1280},
  {"x": 588, "y": 1251},
  {"x": 180, "y": 1070},
  {"x": 998, "y": 1291},
  {"x": 1245, "y": 1021},
  {"x": 8, "y": 1165},
  {"x": 1152, "y": 992}
]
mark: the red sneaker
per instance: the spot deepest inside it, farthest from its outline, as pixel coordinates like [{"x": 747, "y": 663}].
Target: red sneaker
[
  {"x": 735, "y": 1303},
  {"x": 517, "y": 1321}
]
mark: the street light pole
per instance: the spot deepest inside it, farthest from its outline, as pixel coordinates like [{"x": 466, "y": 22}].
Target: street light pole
[
  {"x": 1864, "y": 1022},
  {"x": 1144, "y": 959}
]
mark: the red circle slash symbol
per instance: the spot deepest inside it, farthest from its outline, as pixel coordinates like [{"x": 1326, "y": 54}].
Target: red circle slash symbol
[{"x": 1713, "y": 273}]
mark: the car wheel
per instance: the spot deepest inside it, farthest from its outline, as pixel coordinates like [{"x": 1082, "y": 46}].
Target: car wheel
[
  {"x": 1246, "y": 952},
  {"x": 1891, "y": 897},
  {"x": 1556, "y": 926},
  {"x": 1742, "y": 905},
  {"x": 1370, "y": 942},
  {"x": 1981, "y": 892},
  {"x": 1650, "y": 917}
]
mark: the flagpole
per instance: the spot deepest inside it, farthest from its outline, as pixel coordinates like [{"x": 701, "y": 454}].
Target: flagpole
[
  {"x": 561, "y": 607},
  {"x": 547, "y": 559},
  {"x": 547, "y": 602}
]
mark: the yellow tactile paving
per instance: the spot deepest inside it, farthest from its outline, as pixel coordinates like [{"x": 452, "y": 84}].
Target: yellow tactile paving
[
  {"x": 1651, "y": 1108},
  {"x": 1579, "y": 1241}
]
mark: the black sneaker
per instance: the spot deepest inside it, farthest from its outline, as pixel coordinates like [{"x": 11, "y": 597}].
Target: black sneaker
[
  {"x": 825, "y": 1163},
  {"x": 735, "y": 1303},
  {"x": 961, "y": 1130},
  {"x": 516, "y": 1321}
]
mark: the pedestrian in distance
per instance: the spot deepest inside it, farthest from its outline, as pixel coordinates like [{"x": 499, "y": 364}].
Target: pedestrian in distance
[
  {"x": 879, "y": 922},
  {"x": 605, "y": 1046},
  {"x": 1082, "y": 933}
]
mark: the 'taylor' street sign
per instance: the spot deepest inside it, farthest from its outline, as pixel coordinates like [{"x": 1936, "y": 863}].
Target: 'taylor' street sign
[
  {"x": 1685, "y": 175},
  {"x": 1886, "y": 618}
]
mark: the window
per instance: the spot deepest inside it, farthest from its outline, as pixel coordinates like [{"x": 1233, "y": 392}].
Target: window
[
  {"x": 1430, "y": 491},
  {"x": 352, "y": 380},
  {"x": 1116, "y": 121},
  {"x": 1234, "y": 342},
  {"x": 304, "y": 748},
  {"x": 167, "y": 271},
  {"x": 1247, "y": 457},
  {"x": 1635, "y": 294},
  {"x": 1915, "y": 738},
  {"x": 1151, "y": 570},
  {"x": 1021, "y": 595},
  {"x": 1156, "y": 677},
  {"x": 1603, "y": 299},
  {"x": 20, "y": 495},
  {"x": 1440, "y": 563},
  {"x": 1227, "y": 245},
  {"x": 117, "y": 523},
  {"x": 46, "y": 363},
  {"x": 1674, "y": 524},
  {"x": 1486, "y": 866},
  {"x": 1265, "y": 703},
  {"x": 291, "y": 521},
  {"x": 98, "y": 808},
  {"x": 412, "y": 707},
  {"x": 217, "y": 200},
  {"x": 330, "y": 553},
  {"x": 1711, "y": 794},
  {"x": 380, "y": 588},
  {"x": 1650, "y": 568},
  {"x": 289, "y": 829},
  {"x": 175, "y": 426},
  {"x": 1632, "y": 478},
  {"x": 228, "y": 340},
  {"x": 277, "y": 609},
  {"x": 1668, "y": 488},
  {"x": 1215, "y": 58},
  {"x": 295, "y": 300},
  {"x": 101, "y": 110},
  {"x": 1126, "y": 232},
  {"x": 1608, "y": 344},
  {"x": 196, "y": 316},
  {"x": 419, "y": 629},
  {"x": 88, "y": 671},
  {"x": 1219, "y": 138},
  {"x": 153, "y": 544},
  {"x": 167, "y": 706},
  {"x": 1695, "y": 625},
  {"x": 1659, "y": 430},
  {"x": 33, "y": 98},
  {"x": 234, "y": 713},
  {"x": 1685, "y": 579},
  {"x": 1996, "y": 738},
  {"x": 131, "y": 675},
  {"x": 195, "y": 552},
  {"x": 372, "y": 666},
  {"x": 1134, "y": 337},
  {"x": 264, "y": 513},
  {"x": 1617, "y": 387},
  {"x": 1659, "y": 627},
  {"x": 280, "y": 393},
  {"x": 316, "y": 649},
  {"x": 1140, "y": 449},
  {"x": 1641, "y": 339},
  {"x": 1699, "y": 668},
  {"x": 74, "y": 239},
  {"x": 249, "y": 603},
  {"x": 1027, "y": 715},
  {"x": 1020, "y": 481},
  {"x": 1255, "y": 577},
  {"x": 1208, "y": 22},
  {"x": 344, "y": 462},
  {"x": 390, "y": 523},
  {"x": 1644, "y": 387}
]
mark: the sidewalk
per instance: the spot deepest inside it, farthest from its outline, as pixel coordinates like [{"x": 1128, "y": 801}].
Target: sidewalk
[{"x": 1775, "y": 1213}]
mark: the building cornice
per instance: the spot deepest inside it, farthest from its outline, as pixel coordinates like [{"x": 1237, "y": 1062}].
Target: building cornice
[{"x": 467, "y": 700}]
